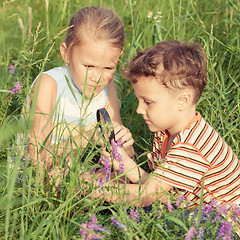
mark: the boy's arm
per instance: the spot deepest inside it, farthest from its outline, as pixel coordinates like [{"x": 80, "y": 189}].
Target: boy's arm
[
  {"x": 130, "y": 168},
  {"x": 140, "y": 195}
]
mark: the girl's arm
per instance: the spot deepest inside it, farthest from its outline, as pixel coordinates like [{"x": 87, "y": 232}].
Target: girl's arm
[
  {"x": 121, "y": 133},
  {"x": 45, "y": 92}
]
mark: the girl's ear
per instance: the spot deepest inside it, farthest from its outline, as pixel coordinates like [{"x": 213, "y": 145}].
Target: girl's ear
[{"x": 64, "y": 52}]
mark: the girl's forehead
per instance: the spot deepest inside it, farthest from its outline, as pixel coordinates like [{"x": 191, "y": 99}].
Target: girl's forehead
[{"x": 97, "y": 51}]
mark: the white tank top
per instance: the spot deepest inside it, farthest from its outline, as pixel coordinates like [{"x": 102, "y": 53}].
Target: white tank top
[{"x": 73, "y": 113}]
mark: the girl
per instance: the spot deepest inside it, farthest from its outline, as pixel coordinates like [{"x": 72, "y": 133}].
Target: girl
[{"x": 68, "y": 97}]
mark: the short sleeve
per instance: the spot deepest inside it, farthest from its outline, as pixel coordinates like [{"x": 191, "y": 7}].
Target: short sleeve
[
  {"x": 183, "y": 167},
  {"x": 154, "y": 157}
]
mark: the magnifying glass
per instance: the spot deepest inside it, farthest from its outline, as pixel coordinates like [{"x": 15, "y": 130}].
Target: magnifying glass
[{"x": 105, "y": 124}]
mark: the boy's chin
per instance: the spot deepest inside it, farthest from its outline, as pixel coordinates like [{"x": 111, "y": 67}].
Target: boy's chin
[{"x": 153, "y": 128}]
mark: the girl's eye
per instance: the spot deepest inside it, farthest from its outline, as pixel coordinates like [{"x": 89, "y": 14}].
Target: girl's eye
[{"x": 88, "y": 66}]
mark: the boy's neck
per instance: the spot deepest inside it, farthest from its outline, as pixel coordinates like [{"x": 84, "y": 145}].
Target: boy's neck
[{"x": 184, "y": 119}]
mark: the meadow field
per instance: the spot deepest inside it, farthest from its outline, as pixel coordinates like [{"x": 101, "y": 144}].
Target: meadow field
[{"x": 30, "y": 34}]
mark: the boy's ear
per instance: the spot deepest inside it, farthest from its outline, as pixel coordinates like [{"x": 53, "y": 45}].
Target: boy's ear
[
  {"x": 185, "y": 99},
  {"x": 64, "y": 52}
]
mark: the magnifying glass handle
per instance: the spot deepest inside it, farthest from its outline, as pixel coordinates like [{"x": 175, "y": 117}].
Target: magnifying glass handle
[{"x": 107, "y": 119}]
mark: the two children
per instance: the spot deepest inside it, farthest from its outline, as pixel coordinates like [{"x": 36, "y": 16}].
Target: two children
[
  {"x": 66, "y": 98},
  {"x": 168, "y": 79},
  {"x": 188, "y": 154}
]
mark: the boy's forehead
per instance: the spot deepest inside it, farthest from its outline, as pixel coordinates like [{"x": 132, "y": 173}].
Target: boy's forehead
[{"x": 145, "y": 84}]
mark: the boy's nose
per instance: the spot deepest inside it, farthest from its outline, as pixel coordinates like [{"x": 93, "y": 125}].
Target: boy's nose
[{"x": 140, "y": 110}]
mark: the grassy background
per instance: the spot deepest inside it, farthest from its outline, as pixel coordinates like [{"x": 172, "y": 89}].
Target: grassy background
[{"x": 30, "y": 35}]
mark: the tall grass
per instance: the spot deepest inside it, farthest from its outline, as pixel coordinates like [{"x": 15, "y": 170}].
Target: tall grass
[{"x": 31, "y": 32}]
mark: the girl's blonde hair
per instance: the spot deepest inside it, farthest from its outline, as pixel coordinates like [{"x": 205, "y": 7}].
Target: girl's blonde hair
[{"x": 101, "y": 23}]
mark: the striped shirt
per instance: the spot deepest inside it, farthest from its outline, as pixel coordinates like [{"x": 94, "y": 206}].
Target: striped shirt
[{"x": 198, "y": 155}]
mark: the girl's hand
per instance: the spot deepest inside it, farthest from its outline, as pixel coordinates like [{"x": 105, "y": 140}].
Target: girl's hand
[{"x": 123, "y": 135}]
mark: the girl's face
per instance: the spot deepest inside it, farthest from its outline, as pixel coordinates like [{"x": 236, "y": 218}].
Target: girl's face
[
  {"x": 157, "y": 105},
  {"x": 92, "y": 63}
]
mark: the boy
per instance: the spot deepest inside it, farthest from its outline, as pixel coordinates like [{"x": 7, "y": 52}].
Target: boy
[{"x": 168, "y": 79}]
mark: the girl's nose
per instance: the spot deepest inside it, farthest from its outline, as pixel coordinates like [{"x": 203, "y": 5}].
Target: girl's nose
[{"x": 95, "y": 75}]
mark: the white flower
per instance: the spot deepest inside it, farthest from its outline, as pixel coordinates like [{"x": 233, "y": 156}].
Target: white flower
[{"x": 149, "y": 15}]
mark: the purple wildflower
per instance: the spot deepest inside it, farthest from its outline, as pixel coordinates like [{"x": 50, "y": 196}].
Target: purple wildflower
[
  {"x": 11, "y": 69},
  {"x": 118, "y": 224},
  {"x": 117, "y": 156},
  {"x": 191, "y": 232},
  {"x": 216, "y": 219},
  {"x": 18, "y": 88},
  {"x": 170, "y": 206},
  {"x": 222, "y": 208},
  {"x": 88, "y": 229},
  {"x": 93, "y": 219},
  {"x": 159, "y": 214},
  {"x": 100, "y": 182},
  {"x": 107, "y": 167},
  {"x": 179, "y": 200},
  {"x": 235, "y": 210},
  {"x": 207, "y": 209},
  {"x": 134, "y": 215},
  {"x": 213, "y": 203},
  {"x": 225, "y": 230},
  {"x": 201, "y": 231}
]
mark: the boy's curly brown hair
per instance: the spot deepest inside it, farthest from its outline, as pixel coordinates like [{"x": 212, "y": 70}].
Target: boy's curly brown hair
[{"x": 173, "y": 64}]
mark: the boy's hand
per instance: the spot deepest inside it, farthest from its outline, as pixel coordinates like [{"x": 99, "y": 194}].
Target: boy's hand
[
  {"x": 115, "y": 162},
  {"x": 123, "y": 135}
]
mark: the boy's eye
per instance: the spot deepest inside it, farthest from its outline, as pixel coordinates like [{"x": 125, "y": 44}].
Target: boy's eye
[
  {"x": 109, "y": 68},
  {"x": 147, "y": 102}
]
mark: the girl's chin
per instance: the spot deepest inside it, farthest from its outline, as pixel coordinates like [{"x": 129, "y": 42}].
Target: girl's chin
[{"x": 92, "y": 92}]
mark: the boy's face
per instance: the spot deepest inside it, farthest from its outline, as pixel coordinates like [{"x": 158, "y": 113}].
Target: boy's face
[
  {"x": 93, "y": 62},
  {"x": 157, "y": 105}
]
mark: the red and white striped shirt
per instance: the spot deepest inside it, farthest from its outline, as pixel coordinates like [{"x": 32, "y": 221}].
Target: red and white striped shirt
[{"x": 197, "y": 155}]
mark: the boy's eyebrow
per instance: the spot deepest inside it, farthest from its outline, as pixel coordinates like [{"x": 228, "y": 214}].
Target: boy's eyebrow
[{"x": 143, "y": 97}]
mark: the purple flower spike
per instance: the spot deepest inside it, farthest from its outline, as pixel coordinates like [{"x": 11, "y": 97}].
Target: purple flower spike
[
  {"x": 93, "y": 219},
  {"x": 170, "y": 206},
  {"x": 134, "y": 215},
  {"x": 18, "y": 88},
  {"x": 11, "y": 69},
  {"x": 87, "y": 228},
  {"x": 225, "y": 230},
  {"x": 191, "y": 232},
  {"x": 107, "y": 167},
  {"x": 222, "y": 208},
  {"x": 179, "y": 200},
  {"x": 118, "y": 224},
  {"x": 201, "y": 231},
  {"x": 117, "y": 156}
]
